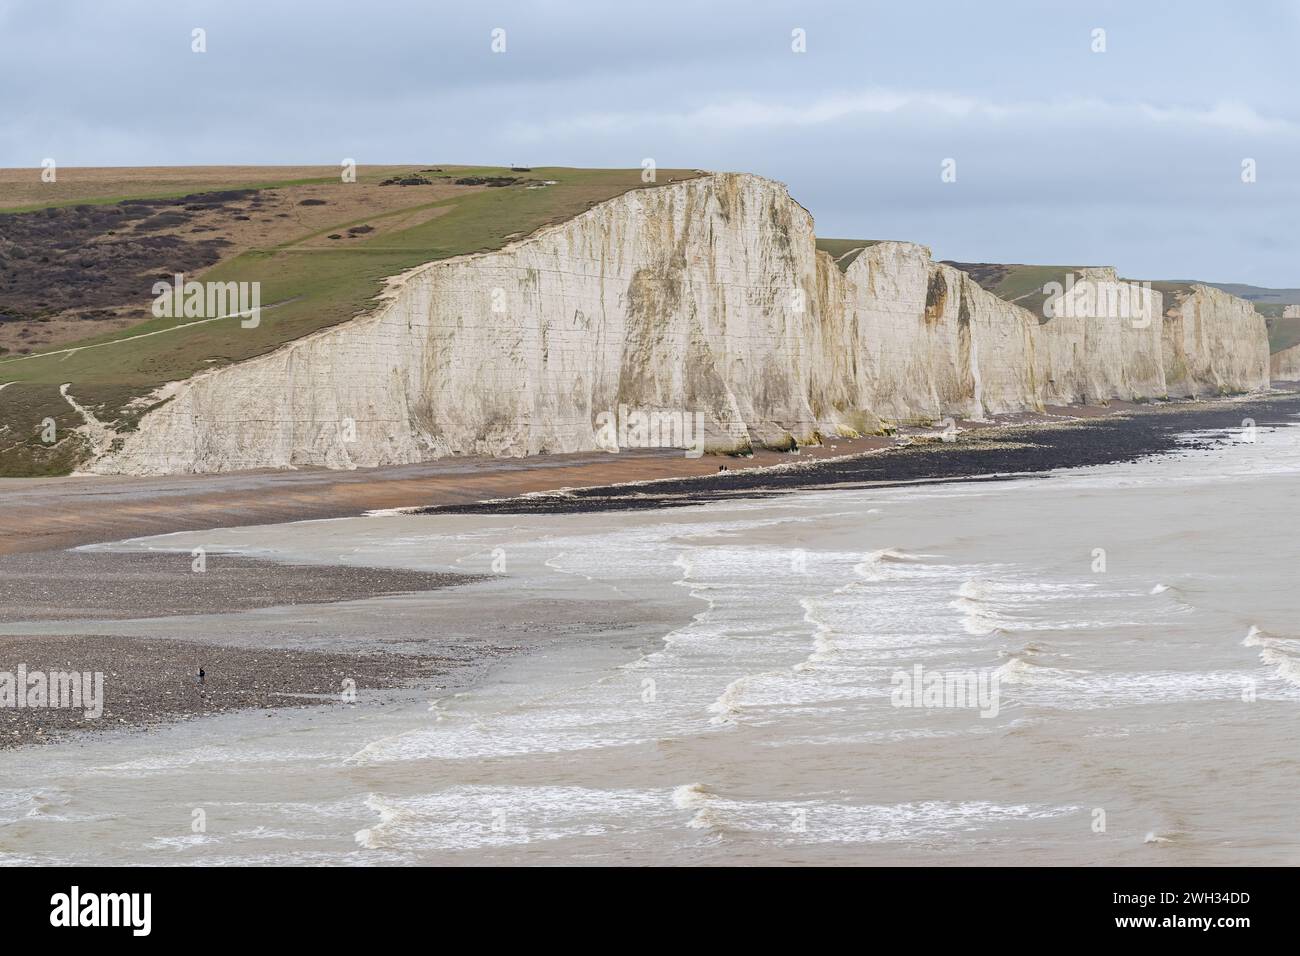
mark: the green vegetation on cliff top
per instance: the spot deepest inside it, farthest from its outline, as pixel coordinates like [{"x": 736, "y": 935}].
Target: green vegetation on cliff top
[{"x": 305, "y": 286}]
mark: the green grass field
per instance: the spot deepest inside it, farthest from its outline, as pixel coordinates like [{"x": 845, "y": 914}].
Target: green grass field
[
  {"x": 1021, "y": 284},
  {"x": 174, "y": 192},
  {"x": 303, "y": 289}
]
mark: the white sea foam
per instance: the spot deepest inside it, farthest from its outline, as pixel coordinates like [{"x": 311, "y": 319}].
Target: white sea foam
[
  {"x": 473, "y": 817},
  {"x": 822, "y": 821},
  {"x": 1279, "y": 653}
]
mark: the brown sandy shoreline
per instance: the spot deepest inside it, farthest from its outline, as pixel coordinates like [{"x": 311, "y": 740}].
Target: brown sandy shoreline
[{"x": 42, "y": 514}]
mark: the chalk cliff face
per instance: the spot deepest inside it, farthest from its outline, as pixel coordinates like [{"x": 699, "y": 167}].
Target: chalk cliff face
[
  {"x": 696, "y": 296},
  {"x": 928, "y": 342},
  {"x": 1214, "y": 343},
  {"x": 1102, "y": 345},
  {"x": 1285, "y": 365},
  {"x": 706, "y": 296}
]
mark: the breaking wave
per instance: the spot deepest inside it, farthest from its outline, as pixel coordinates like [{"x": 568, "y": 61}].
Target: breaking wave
[
  {"x": 1276, "y": 652},
  {"x": 979, "y": 617}
]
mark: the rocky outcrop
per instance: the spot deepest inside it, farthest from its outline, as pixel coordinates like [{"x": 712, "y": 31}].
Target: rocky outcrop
[{"x": 704, "y": 297}]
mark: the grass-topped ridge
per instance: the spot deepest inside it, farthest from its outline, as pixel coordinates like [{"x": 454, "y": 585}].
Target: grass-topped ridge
[{"x": 321, "y": 248}]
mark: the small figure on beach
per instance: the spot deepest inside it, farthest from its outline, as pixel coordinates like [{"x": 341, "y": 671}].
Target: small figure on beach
[
  {"x": 201, "y": 676},
  {"x": 722, "y": 468}
]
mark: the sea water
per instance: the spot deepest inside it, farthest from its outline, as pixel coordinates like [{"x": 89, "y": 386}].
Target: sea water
[{"x": 731, "y": 683}]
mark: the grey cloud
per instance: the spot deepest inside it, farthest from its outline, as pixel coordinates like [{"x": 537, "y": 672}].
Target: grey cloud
[{"x": 1129, "y": 157}]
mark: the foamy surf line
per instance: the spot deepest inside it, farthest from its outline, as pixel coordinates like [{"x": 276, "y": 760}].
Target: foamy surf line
[
  {"x": 821, "y": 821},
  {"x": 1280, "y": 653},
  {"x": 463, "y": 818}
]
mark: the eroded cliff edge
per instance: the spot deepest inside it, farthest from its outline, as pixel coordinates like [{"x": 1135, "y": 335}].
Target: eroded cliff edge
[{"x": 702, "y": 296}]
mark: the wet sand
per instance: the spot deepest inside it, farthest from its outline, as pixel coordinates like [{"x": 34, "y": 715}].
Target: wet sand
[
  {"x": 41, "y": 514},
  {"x": 105, "y": 585},
  {"x": 148, "y": 682}
]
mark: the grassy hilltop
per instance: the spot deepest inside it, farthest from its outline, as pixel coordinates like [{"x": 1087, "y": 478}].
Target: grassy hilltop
[{"x": 79, "y": 258}]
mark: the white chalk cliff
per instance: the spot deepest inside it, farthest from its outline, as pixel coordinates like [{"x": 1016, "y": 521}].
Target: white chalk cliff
[
  {"x": 1213, "y": 343},
  {"x": 700, "y": 296},
  {"x": 1094, "y": 354},
  {"x": 1285, "y": 365}
]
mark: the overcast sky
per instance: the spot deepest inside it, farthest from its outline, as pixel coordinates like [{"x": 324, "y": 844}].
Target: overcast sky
[{"x": 1131, "y": 157}]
